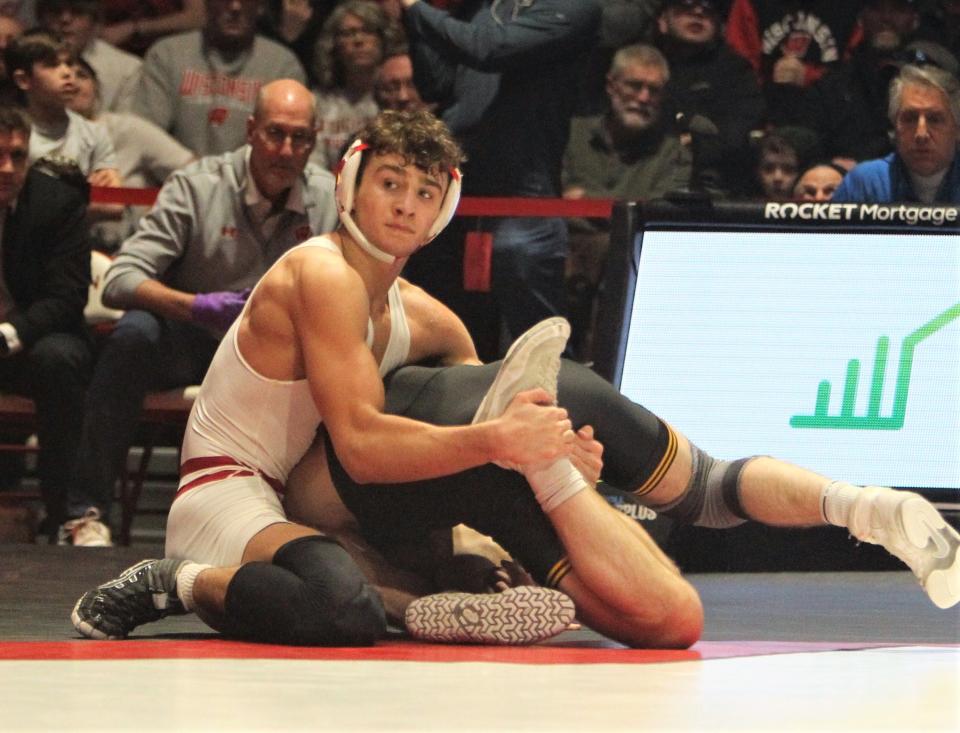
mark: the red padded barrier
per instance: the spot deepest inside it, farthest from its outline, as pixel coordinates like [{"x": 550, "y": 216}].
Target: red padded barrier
[{"x": 469, "y": 206}]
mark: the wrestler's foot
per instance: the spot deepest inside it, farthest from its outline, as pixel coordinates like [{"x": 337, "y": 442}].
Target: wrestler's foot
[
  {"x": 533, "y": 360},
  {"x": 910, "y": 528},
  {"x": 523, "y": 615},
  {"x": 144, "y": 592}
]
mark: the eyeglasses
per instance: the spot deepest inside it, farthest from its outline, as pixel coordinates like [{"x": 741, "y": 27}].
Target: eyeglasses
[
  {"x": 300, "y": 140},
  {"x": 348, "y": 34}
]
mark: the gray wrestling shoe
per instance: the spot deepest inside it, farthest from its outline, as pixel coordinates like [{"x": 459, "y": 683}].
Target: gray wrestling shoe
[
  {"x": 144, "y": 592},
  {"x": 910, "y": 528},
  {"x": 522, "y": 615},
  {"x": 533, "y": 360}
]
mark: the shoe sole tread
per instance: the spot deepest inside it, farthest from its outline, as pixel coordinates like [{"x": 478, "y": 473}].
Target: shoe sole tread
[
  {"x": 922, "y": 525},
  {"x": 523, "y": 615}
]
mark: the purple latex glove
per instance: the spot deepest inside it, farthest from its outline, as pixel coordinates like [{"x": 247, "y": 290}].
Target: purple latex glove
[{"x": 218, "y": 310}]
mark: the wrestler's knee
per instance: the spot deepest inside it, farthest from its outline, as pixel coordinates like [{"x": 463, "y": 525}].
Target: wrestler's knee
[
  {"x": 665, "y": 613},
  {"x": 673, "y": 619},
  {"x": 335, "y": 603}
]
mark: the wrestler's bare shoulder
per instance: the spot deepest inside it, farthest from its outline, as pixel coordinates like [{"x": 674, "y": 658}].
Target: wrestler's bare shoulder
[{"x": 313, "y": 269}]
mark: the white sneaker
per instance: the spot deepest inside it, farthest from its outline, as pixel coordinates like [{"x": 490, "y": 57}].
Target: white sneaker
[
  {"x": 522, "y": 615},
  {"x": 533, "y": 360},
  {"x": 86, "y": 531},
  {"x": 910, "y": 528}
]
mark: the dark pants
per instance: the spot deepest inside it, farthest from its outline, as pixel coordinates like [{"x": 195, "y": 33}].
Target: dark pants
[
  {"x": 527, "y": 276},
  {"x": 143, "y": 353},
  {"x": 54, "y": 372}
]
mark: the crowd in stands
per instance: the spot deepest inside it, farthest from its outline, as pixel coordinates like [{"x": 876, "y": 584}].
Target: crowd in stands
[{"x": 241, "y": 108}]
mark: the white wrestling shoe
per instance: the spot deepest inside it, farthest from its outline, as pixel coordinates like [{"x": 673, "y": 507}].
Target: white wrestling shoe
[
  {"x": 910, "y": 528},
  {"x": 522, "y": 615},
  {"x": 532, "y": 361}
]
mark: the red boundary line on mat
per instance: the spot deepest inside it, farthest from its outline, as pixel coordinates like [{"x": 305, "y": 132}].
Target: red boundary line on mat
[
  {"x": 469, "y": 205},
  {"x": 406, "y": 651}
]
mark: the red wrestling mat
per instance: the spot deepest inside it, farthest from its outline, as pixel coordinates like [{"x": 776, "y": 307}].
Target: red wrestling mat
[{"x": 590, "y": 652}]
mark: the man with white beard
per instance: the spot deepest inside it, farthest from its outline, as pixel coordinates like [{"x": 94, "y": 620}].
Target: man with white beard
[{"x": 628, "y": 152}]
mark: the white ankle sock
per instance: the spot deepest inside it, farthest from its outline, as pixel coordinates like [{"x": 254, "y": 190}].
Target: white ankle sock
[
  {"x": 555, "y": 482},
  {"x": 186, "y": 577},
  {"x": 835, "y": 501}
]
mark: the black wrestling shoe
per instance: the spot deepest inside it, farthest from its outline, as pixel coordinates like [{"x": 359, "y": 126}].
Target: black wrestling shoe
[
  {"x": 143, "y": 593},
  {"x": 523, "y": 615}
]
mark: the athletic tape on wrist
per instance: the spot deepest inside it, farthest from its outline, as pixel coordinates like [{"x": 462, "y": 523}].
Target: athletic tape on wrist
[{"x": 556, "y": 483}]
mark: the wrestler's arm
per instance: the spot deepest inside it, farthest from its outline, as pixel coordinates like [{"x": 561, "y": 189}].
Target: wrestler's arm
[
  {"x": 329, "y": 311},
  {"x": 436, "y": 332}
]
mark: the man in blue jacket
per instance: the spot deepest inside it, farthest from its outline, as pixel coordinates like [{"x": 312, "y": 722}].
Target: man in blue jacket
[{"x": 925, "y": 168}]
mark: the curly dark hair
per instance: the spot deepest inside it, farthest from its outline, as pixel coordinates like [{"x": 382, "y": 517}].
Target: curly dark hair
[{"x": 415, "y": 135}]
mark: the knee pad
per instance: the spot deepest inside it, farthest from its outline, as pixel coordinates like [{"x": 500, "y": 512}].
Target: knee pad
[
  {"x": 712, "y": 496},
  {"x": 340, "y": 606},
  {"x": 313, "y": 594}
]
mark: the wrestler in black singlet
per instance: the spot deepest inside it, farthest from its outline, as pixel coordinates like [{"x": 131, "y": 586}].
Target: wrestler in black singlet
[{"x": 638, "y": 447}]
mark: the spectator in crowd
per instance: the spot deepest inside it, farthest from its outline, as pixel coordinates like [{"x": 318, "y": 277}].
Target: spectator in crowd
[
  {"x": 925, "y": 167},
  {"x": 393, "y": 86},
  {"x": 847, "y": 108},
  {"x": 354, "y": 40},
  {"x": 77, "y": 22},
  {"x": 622, "y": 23},
  {"x": 135, "y": 24},
  {"x": 146, "y": 155},
  {"x": 781, "y": 154},
  {"x": 504, "y": 75},
  {"x": 818, "y": 182},
  {"x": 296, "y": 24},
  {"x": 709, "y": 80},
  {"x": 630, "y": 152},
  {"x": 217, "y": 226},
  {"x": 792, "y": 43},
  {"x": 44, "y": 70},
  {"x": 201, "y": 86},
  {"x": 44, "y": 352},
  {"x": 10, "y": 28}
]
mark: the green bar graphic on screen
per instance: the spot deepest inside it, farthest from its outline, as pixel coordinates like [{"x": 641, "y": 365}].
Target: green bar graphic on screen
[
  {"x": 846, "y": 420},
  {"x": 836, "y": 351}
]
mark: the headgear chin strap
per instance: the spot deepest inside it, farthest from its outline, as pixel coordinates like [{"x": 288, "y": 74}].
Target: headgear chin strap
[{"x": 346, "y": 189}]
